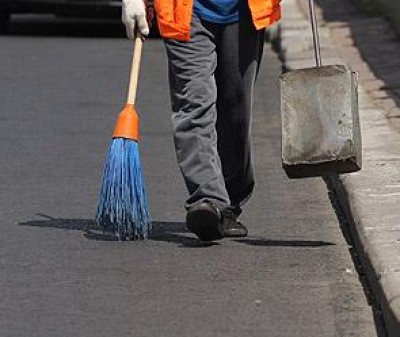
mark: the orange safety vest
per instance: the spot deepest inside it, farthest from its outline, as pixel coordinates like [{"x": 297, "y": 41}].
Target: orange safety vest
[{"x": 174, "y": 16}]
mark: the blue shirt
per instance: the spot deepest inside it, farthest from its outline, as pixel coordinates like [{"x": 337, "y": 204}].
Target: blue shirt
[{"x": 217, "y": 11}]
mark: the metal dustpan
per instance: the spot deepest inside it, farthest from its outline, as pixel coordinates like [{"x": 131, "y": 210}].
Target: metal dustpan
[{"x": 319, "y": 116}]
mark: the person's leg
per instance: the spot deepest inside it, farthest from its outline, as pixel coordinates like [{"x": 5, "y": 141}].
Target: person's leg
[
  {"x": 239, "y": 53},
  {"x": 193, "y": 95}
]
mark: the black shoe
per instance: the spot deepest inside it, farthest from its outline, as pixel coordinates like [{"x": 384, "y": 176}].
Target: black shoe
[
  {"x": 204, "y": 219},
  {"x": 230, "y": 226}
]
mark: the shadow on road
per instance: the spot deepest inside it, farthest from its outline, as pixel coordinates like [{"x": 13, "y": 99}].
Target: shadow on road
[
  {"x": 172, "y": 232},
  {"x": 61, "y": 223},
  {"x": 285, "y": 243},
  {"x": 347, "y": 227},
  {"x": 88, "y": 226},
  {"x": 176, "y": 232}
]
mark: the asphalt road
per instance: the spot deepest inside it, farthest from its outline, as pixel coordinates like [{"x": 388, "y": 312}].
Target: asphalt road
[{"x": 293, "y": 276}]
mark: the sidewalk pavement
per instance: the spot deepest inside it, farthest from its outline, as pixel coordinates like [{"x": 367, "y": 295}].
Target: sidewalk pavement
[{"x": 371, "y": 197}]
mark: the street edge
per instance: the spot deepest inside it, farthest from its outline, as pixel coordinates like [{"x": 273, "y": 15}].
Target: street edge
[
  {"x": 371, "y": 231},
  {"x": 365, "y": 253}
]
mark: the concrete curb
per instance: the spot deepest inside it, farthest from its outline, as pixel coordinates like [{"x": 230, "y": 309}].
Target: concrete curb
[{"x": 370, "y": 198}]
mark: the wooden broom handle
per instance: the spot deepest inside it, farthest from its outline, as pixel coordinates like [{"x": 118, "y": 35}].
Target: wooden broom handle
[{"x": 133, "y": 82}]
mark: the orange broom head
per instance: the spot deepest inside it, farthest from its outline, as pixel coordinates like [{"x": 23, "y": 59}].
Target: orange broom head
[{"x": 127, "y": 125}]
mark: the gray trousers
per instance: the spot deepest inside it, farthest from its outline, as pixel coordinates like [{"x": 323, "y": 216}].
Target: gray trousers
[{"x": 211, "y": 81}]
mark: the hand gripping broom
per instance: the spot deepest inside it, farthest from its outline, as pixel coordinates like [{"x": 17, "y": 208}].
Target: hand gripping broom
[{"x": 123, "y": 207}]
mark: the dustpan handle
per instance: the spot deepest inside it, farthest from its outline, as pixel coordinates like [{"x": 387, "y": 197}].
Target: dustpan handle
[
  {"x": 314, "y": 27},
  {"x": 133, "y": 81}
]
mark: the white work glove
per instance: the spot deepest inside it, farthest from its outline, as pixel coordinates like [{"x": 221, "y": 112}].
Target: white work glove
[{"x": 134, "y": 13}]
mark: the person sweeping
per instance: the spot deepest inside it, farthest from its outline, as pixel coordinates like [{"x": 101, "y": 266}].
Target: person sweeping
[{"x": 214, "y": 48}]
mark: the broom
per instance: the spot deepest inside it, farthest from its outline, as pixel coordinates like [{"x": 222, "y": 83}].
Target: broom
[{"x": 122, "y": 207}]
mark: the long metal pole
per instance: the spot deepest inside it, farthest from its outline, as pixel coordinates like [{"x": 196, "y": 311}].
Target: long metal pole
[{"x": 314, "y": 27}]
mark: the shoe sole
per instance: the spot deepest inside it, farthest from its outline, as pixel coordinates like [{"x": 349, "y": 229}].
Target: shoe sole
[
  {"x": 235, "y": 234},
  {"x": 204, "y": 224}
]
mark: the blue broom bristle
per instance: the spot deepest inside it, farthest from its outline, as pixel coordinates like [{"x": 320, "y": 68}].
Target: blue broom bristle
[{"x": 123, "y": 207}]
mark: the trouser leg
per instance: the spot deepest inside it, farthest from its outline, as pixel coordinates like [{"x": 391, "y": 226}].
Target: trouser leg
[
  {"x": 239, "y": 53},
  {"x": 214, "y": 155},
  {"x": 193, "y": 95}
]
